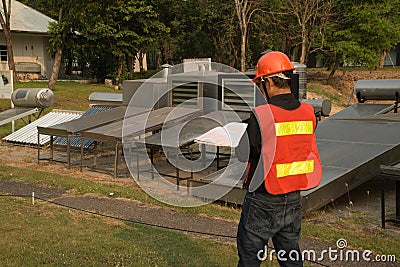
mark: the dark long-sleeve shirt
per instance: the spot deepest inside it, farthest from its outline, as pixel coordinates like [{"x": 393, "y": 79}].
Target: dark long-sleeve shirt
[{"x": 253, "y": 142}]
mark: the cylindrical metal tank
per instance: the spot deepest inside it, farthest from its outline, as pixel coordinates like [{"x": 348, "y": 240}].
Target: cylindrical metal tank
[
  {"x": 33, "y": 97},
  {"x": 301, "y": 69},
  {"x": 377, "y": 89},
  {"x": 321, "y": 106}
]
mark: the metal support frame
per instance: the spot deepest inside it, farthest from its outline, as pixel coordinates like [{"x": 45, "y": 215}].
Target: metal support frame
[
  {"x": 82, "y": 147},
  {"x": 94, "y": 162},
  {"x": 95, "y": 155},
  {"x": 384, "y": 175},
  {"x": 219, "y": 156},
  {"x": 38, "y": 148},
  {"x": 51, "y": 147},
  {"x": 69, "y": 152},
  {"x": 116, "y": 159},
  {"x": 51, "y": 156},
  {"x": 177, "y": 175}
]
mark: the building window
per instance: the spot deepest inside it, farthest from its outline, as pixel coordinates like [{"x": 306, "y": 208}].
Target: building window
[{"x": 3, "y": 53}]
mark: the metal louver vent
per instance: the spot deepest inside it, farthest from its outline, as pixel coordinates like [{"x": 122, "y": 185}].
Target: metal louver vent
[
  {"x": 238, "y": 95},
  {"x": 184, "y": 92}
]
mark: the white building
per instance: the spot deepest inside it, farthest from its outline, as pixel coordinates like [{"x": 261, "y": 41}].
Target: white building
[{"x": 30, "y": 40}]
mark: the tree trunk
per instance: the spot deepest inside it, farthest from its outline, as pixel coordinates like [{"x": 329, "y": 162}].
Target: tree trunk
[
  {"x": 243, "y": 52},
  {"x": 334, "y": 67},
  {"x": 57, "y": 59},
  {"x": 56, "y": 68},
  {"x": 382, "y": 59},
  {"x": 5, "y": 18},
  {"x": 163, "y": 51},
  {"x": 11, "y": 63},
  {"x": 141, "y": 59},
  {"x": 130, "y": 64},
  {"x": 119, "y": 73},
  {"x": 303, "y": 46}
]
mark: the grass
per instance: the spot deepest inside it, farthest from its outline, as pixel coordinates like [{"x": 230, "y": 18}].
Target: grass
[
  {"x": 328, "y": 93},
  {"x": 46, "y": 235},
  {"x": 128, "y": 191},
  {"x": 377, "y": 241}
]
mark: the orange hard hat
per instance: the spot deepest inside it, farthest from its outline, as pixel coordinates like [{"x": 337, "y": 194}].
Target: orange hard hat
[{"x": 272, "y": 63}]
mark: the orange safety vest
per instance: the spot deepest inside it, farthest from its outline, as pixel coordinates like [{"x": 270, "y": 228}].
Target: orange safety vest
[{"x": 296, "y": 164}]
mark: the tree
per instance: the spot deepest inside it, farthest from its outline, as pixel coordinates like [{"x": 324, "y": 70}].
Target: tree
[
  {"x": 5, "y": 20},
  {"x": 362, "y": 32},
  {"x": 116, "y": 33},
  {"x": 57, "y": 31},
  {"x": 311, "y": 17},
  {"x": 61, "y": 32},
  {"x": 244, "y": 11},
  {"x": 221, "y": 30}
]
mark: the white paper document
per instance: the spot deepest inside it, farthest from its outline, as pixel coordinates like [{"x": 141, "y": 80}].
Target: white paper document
[{"x": 229, "y": 135}]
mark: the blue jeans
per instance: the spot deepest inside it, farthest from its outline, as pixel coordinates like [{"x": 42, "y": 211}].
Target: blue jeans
[{"x": 267, "y": 216}]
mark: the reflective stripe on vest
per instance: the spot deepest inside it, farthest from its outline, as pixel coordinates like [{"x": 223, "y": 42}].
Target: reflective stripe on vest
[
  {"x": 294, "y": 127},
  {"x": 294, "y": 168}
]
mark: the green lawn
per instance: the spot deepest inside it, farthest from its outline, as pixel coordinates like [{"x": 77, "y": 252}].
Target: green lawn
[
  {"x": 352, "y": 229},
  {"x": 128, "y": 191},
  {"x": 321, "y": 90},
  {"x": 46, "y": 235}
]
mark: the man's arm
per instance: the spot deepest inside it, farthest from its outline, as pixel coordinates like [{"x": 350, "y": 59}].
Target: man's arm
[{"x": 249, "y": 147}]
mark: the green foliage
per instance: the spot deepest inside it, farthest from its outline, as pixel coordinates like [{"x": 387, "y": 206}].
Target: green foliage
[
  {"x": 117, "y": 30},
  {"x": 102, "y": 37},
  {"x": 363, "y": 30}
]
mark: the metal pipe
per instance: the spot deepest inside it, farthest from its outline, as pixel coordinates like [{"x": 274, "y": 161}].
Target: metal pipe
[
  {"x": 51, "y": 147},
  {"x": 383, "y": 201},
  {"x": 95, "y": 155},
  {"x": 116, "y": 159},
  {"x": 82, "y": 142},
  {"x": 38, "y": 148},
  {"x": 69, "y": 151}
]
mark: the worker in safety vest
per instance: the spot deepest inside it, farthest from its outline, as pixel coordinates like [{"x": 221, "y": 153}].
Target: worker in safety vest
[{"x": 281, "y": 151}]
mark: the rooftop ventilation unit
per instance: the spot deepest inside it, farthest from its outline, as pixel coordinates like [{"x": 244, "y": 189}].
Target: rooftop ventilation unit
[
  {"x": 189, "y": 88},
  {"x": 238, "y": 93},
  {"x": 185, "y": 93},
  {"x": 231, "y": 91}
]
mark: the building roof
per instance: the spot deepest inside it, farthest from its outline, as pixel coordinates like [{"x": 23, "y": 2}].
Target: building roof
[{"x": 27, "y": 19}]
